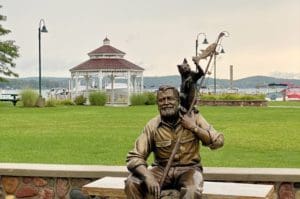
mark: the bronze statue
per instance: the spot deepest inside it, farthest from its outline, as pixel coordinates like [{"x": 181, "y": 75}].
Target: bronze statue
[
  {"x": 159, "y": 136},
  {"x": 174, "y": 137},
  {"x": 188, "y": 88}
]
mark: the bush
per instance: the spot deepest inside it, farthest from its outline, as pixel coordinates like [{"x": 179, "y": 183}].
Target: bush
[
  {"x": 260, "y": 97},
  {"x": 138, "y": 99},
  {"x": 29, "y": 98},
  {"x": 146, "y": 98},
  {"x": 80, "y": 100},
  {"x": 67, "y": 102},
  {"x": 208, "y": 97},
  {"x": 150, "y": 98},
  {"x": 51, "y": 103},
  {"x": 97, "y": 98},
  {"x": 55, "y": 102},
  {"x": 229, "y": 96}
]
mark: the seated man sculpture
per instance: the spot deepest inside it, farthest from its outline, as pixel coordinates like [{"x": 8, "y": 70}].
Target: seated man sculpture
[{"x": 159, "y": 136}]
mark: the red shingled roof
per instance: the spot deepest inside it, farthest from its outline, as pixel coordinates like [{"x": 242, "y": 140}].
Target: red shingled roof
[
  {"x": 106, "y": 49},
  {"x": 94, "y": 64}
]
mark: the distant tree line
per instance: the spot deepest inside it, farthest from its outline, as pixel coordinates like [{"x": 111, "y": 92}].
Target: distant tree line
[{"x": 23, "y": 83}]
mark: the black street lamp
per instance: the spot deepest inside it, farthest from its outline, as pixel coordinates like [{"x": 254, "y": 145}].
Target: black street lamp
[
  {"x": 204, "y": 41},
  {"x": 42, "y": 28}
]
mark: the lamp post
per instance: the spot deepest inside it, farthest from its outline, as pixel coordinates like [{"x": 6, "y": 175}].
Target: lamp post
[
  {"x": 204, "y": 41},
  {"x": 42, "y": 28}
]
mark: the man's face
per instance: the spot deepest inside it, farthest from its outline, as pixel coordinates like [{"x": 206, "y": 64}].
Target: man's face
[{"x": 167, "y": 103}]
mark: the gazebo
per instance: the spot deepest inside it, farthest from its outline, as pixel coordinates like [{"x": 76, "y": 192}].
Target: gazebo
[{"x": 107, "y": 71}]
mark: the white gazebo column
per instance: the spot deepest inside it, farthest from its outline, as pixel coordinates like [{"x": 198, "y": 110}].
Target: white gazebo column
[
  {"x": 93, "y": 85},
  {"x": 133, "y": 78},
  {"x": 71, "y": 86},
  {"x": 87, "y": 79},
  {"x": 142, "y": 83},
  {"x": 76, "y": 83},
  {"x": 100, "y": 77},
  {"x": 112, "y": 80},
  {"x": 128, "y": 88}
]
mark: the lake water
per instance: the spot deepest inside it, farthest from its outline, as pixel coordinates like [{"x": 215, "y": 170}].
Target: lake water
[{"x": 16, "y": 91}]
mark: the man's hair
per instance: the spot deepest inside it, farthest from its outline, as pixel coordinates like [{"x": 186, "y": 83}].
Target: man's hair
[{"x": 163, "y": 88}]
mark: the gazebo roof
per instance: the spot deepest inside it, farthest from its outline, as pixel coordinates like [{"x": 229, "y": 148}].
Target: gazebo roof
[
  {"x": 106, "y": 49},
  {"x": 105, "y": 63},
  {"x": 106, "y": 57}
]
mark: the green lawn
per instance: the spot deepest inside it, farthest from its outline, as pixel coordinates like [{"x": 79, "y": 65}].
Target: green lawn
[
  {"x": 254, "y": 137},
  {"x": 281, "y": 103}
]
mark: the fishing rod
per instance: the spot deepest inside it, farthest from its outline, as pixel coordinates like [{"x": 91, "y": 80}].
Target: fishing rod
[{"x": 210, "y": 51}]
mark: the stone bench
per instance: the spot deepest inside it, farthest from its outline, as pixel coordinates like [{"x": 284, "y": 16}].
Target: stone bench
[{"x": 113, "y": 187}]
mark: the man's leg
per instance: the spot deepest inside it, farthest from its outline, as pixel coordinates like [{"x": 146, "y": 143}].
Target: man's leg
[
  {"x": 190, "y": 182},
  {"x": 135, "y": 188}
]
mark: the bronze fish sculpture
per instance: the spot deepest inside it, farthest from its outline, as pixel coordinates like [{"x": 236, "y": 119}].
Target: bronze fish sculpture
[{"x": 205, "y": 53}]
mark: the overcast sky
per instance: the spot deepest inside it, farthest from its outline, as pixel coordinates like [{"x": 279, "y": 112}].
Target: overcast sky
[{"x": 156, "y": 35}]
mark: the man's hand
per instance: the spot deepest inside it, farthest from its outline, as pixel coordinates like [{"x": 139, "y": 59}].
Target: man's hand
[
  {"x": 188, "y": 121},
  {"x": 150, "y": 181},
  {"x": 152, "y": 185}
]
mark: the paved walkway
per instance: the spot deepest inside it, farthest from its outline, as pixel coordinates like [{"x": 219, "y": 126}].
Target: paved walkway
[{"x": 284, "y": 106}]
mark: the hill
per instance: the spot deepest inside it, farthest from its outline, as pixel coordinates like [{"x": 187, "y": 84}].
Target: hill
[
  {"x": 32, "y": 82},
  {"x": 249, "y": 82},
  {"x": 261, "y": 81},
  {"x": 149, "y": 82}
]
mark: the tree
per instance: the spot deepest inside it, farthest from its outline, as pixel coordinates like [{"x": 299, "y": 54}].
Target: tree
[{"x": 8, "y": 52}]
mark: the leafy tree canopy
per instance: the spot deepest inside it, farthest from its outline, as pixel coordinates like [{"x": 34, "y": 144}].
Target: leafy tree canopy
[{"x": 8, "y": 52}]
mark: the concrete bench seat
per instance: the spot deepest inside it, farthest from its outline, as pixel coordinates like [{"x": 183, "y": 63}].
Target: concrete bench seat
[{"x": 113, "y": 187}]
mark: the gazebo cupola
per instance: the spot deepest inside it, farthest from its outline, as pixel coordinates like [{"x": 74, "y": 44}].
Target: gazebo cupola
[
  {"x": 107, "y": 70},
  {"x": 106, "y": 51},
  {"x": 106, "y": 41}
]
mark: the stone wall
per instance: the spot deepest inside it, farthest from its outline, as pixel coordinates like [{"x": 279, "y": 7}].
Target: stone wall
[
  {"x": 42, "y": 181},
  {"x": 39, "y": 187},
  {"x": 288, "y": 190},
  {"x": 60, "y": 188}
]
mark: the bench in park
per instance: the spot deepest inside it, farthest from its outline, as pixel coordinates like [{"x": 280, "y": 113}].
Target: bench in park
[
  {"x": 11, "y": 98},
  {"x": 113, "y": 187}
]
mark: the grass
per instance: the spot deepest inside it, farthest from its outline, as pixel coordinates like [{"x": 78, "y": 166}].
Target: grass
[
  {"x": 281, "y": 103},
  {"x": 254, "y": 137}
]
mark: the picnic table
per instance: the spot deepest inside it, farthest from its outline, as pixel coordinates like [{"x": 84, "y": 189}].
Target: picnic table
[{"x": 11, "y": 97}]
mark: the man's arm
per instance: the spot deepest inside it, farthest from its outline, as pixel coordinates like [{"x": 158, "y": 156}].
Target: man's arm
[
  {"x": 213, "y": 139},
  {"x": 205, "y": 132},
  {"x": 136, "y": 161},
  {"x": 142, "y": 149}
]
